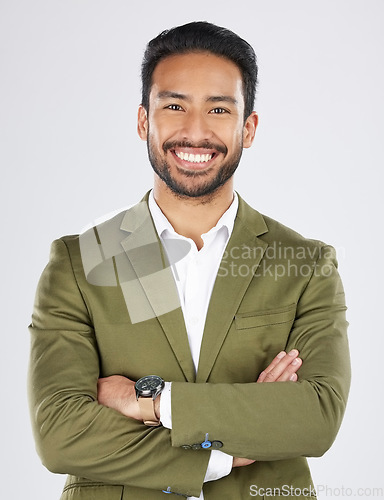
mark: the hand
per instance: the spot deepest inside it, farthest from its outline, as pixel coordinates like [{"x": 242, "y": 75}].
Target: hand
[
  {"x": 118, "y": 392},
  {"x": 283, "y": 368},
  {"x": 240, "y": 462}
]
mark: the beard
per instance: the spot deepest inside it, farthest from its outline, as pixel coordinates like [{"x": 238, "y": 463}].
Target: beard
[{"x": 196, "y": 183}]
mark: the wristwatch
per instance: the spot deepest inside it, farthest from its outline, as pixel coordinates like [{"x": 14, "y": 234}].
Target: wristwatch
[{"x": 147, "y": 389}]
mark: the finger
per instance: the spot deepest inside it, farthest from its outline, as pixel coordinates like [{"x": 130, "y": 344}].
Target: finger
[
  {"x": 289, "y": 374},
  {"x": 274, "y": 372},
  {"x": 275, "y": 369},
  {"x": 271, "y": 366}
]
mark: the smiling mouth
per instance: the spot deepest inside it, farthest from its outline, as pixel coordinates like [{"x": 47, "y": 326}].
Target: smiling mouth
[{"x": 194, "y": 158}]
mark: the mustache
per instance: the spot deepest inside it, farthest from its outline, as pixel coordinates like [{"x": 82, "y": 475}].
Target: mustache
[{"x": 186, "y": 144}]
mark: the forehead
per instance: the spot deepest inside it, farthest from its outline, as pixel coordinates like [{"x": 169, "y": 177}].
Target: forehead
[{"x": 197, "y": 74}]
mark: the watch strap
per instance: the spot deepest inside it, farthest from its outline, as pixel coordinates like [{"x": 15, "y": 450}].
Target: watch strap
[{"x": 147, "y": 409}]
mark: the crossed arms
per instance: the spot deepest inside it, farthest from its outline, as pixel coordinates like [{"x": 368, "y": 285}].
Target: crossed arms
[
  {"x": 118, "y": 392},
  {"x": 77, "y": 435}
]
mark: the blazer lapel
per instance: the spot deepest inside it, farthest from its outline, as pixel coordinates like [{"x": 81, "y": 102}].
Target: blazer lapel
[
  {"x": 153, "y": 293},
  {"x": 240, "y": 261}
]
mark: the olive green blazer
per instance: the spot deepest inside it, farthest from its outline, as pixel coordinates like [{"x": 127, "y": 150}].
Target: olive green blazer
[{"x": 107, "y": 304}]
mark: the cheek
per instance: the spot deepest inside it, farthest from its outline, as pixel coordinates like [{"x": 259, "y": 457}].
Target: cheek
[
  {"x": 164, "y": 127},
  {"x": 236, "y": 142},
  {"x": 231, "y": 134},
  {"x": 153, "y": 137}
]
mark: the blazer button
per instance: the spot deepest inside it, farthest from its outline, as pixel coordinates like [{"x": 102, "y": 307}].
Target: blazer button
[
  {"x": 186, "y": 446},
  {"x": 216, "y": 445},
  {"x": 196, "y": 446},
  {"x": 206, "y": 444}
]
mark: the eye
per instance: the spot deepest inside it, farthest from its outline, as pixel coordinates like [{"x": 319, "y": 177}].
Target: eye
[
  {"x": 174, "y": 107},
  {"x": 218, "y": 111}
]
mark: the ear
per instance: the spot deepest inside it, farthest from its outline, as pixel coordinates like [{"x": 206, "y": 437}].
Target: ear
[
  {"x": 250, "y": 127},
  {"x": 142, "y": 123}
]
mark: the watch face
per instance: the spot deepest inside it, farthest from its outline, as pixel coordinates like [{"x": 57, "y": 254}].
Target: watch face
[{"x": 149, "y": 385}]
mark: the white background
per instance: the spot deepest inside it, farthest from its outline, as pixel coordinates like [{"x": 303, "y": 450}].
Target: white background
[{"x": 69, "y": 91}]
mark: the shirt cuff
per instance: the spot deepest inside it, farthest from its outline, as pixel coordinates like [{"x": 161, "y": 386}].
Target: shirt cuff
[
  {"x": 219, "y": 465},
  {"x": 165, "y": 406}
]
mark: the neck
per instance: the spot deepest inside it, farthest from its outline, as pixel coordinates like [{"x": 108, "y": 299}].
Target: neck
[{"x": 192, "y": 217}]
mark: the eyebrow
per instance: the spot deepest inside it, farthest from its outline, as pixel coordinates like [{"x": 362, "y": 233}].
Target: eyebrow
[
  {"x": 222, "y": 98},
  {"x": 167, "y": 94}
]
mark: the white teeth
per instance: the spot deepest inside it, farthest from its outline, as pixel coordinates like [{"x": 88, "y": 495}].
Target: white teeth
[{"x": 194, "y": 158}]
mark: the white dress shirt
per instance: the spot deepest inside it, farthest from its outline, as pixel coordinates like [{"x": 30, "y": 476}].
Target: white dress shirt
[{"x": 195, "y": 276}]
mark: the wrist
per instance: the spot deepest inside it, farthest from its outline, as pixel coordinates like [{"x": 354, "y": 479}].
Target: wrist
[
  {"x": 148, "y": 390},
  {"x": 157, "y": 406}
]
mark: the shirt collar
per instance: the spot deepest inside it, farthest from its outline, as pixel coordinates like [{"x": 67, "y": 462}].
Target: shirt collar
[{"x": 164, "y": 227}]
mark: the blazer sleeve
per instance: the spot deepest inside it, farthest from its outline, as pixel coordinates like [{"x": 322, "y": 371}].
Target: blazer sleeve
[
  {"x": 274, "y": 421},
  {"x": 73, "y": 433}
]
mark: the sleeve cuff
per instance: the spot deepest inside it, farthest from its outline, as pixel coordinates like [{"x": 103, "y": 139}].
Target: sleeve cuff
[
  {"x": 165, "y": 406},
  {"x": 219, "y": 465}
]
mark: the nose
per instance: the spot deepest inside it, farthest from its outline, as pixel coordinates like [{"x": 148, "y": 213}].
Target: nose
[{"x": 196, "y": 127}]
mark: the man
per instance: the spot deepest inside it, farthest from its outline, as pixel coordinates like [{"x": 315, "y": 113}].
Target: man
[{"x": 154, "y": 333}]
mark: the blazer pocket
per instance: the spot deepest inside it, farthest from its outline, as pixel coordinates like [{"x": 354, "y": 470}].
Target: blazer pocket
[{"x": 264, "y": 318}]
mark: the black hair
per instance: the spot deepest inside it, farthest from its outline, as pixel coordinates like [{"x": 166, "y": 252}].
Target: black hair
[{"x": 201, "y": 36}]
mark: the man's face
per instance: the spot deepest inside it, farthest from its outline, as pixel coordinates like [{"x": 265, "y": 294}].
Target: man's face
[{"x": 195, "y": 125}]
